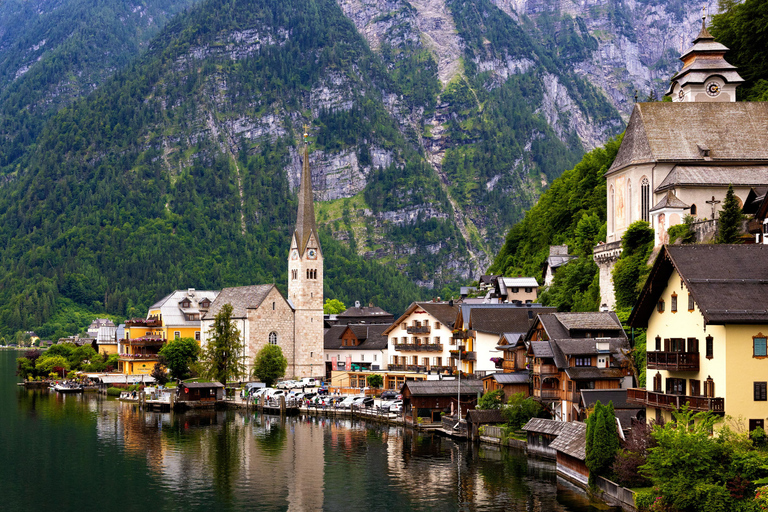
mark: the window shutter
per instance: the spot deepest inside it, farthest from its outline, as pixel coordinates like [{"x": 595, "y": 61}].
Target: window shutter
[
  {"x": 666, "y": 345},
  {"x": 693, "y": 345}
]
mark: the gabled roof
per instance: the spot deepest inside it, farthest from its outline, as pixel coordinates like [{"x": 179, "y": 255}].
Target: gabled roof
[
  {"x": 370, "y": 336},
  {"x": 510, "y": 378},
  {"x": 729, "y": 283},
  {"x": 520, "y": 282},
  {"x": 332, "y": 337},
  {"x": 542, "y": 349},
  {"x": 372, "y": 312},
  {"x": 242, "y": 298},
  {"x": 590, "y": 321},
  {"x": 171, "y": 310},
  {"x": 670, "y": 200},
  {"x": 734, "y": 132},
  {"x": 443, "y": 387},
  {"x": 443, "y": 312},
  {"x": 510, "y": 340},
  {"x": 203, "y": 385},
  {"x": 544, "y": 426},
  {"x": 572, "y": 440},
  {"x": 588, "y": 346},
  {"x": 502, "y": 318}
]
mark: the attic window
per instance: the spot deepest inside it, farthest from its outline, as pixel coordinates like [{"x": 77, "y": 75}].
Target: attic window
[
  {"x": 660, "y": 306},
  {"x": 703, "y": 151}
]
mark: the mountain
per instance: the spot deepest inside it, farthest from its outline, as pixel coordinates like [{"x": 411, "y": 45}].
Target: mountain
[{"x": 435, "y": 124}]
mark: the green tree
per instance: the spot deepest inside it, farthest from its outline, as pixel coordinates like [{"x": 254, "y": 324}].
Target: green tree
[
  {"x": 520, "y": 410},
  {"x": 491, "y": 400},
  {"x": 683, "y": 232},
  {"x": 729, "y": 222},
  {"x": 333, "y": 307},
  {"x": 222, "y": 356},
  {"x": 46, "y": 364},
  {"x": 632, "y": 268},
  {"x": 375, "y": 380},
  {"x": 269, "y": 364},
  {"x": 159, "y": 374},
  {"x": 602, "y": 441},
  {"x": 178, "y": 355}
]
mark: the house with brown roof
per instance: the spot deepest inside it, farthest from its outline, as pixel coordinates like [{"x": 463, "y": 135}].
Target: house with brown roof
[
  {"x": 429, "y": 398},
  {"x": 478, "y": 328},
  {"x": 357, "y": 347},
  {"x": 575, "y": 351},
  {"x": 705, "y": 308},
  {"x": 369, "y": 314},
  {"x": 678, "y": 158},
  {"x": 421, "y": 339}
]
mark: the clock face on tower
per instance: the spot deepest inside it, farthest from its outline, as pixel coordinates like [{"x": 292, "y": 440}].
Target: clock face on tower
[
  {"x": 713, "y": 88},
  {"x": 294, "y": 254},
  {"x": 312, "y": 254}
]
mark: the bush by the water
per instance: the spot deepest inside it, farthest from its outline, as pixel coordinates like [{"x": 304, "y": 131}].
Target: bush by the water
[{"x": 112, "y": 391}]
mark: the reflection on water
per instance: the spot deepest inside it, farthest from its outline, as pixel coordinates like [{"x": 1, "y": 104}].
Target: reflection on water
[{"x": 87, "y": 451}]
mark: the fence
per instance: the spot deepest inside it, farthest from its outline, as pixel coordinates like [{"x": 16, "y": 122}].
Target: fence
[{"x": 625, "y": 496}]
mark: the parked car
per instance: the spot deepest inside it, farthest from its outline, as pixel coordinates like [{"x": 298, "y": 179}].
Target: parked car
[
  {"x": 276, "y": 394},
  {"x": 362, "y": 401},
  {"x": 348, "y": 401},
  {"x": 286, "y": 384},
  {"x": 389, "y": 394},
  {"x": 250, "y": 388},
  {"x": 387, "y": 406},
  {"x": 262, "y": 391},
  {"x": 396, "y": 407}
]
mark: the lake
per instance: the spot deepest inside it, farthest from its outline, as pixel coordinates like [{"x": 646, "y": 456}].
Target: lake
[{"x": 91, "y": 452}]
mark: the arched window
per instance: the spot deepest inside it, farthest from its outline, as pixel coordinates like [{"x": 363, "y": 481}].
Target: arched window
[
  {"x": 611, "y": 213},
  {"x": 629, "y": 202},
  {"x": 645, "y": 199},
  {"x": 693, "y": 209},
  {"x": 273, "y": 338}
]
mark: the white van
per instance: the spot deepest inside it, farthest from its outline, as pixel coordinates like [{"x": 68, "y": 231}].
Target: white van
[{"x": 309, "y": 382}]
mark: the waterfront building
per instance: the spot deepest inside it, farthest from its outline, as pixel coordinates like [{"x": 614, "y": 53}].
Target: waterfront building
[
  {"x": 421, "y": 340},
  {"x": 678, "y": 158},
  {"x": 294, "y": 323},
  {"x": 575, "y": 351},
  {"x": 704, "y": 307},
  {"x": 509, "y": 383},
  {"x": 177, "y": 315},
  {"x": 430, "y": 399},
  {"x": 356, "y": 347}
]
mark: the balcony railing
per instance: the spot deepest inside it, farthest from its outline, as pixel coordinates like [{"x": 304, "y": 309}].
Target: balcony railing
[
  {"x": 673, "y": 360},
  {"x": 418, "y": 329},
  {"x": 463, "y": 335},
  {"x": 665, "y": 401},
  {"x": 545, "y": 369},
  {"x": 464, "y": 355},
  {"x": 139, "y": 357},
  {"x": 396, "y": 367},
  {"x": 547, "y": 393},
  {"x": 145, "y": 342},
  {"x": 423, "y": 347},
  {"x": 144, "y": 322}
]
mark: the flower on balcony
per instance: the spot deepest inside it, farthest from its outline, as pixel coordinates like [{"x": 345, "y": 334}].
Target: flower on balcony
[{"x": 497, "y": 360}]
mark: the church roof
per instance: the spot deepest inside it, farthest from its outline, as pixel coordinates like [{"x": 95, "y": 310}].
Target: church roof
[
  {"x": 242, "y": 298},
  {"x": 305, "y": 219},
  {"x": 670, "y": 200},
  {"x": 715, "y": 176},
  {"x": 733, "y": 132}
]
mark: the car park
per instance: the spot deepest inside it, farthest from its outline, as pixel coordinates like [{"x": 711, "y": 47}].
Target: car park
[
  {"x": 362, "y": 402},
  {"x": 389, "y": 394},
  {"x": 387, "y": 406}
]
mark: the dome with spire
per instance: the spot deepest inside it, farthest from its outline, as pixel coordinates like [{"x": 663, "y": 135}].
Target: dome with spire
[{"x": 706, "y": 75}]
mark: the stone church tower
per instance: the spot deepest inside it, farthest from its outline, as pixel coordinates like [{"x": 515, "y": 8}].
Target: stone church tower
[{"x": 305, "y": 282}]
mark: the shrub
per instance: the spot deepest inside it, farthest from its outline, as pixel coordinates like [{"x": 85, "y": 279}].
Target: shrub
[
  {"x": 112, "y": 391},
  {"x": 644, "y": 500}
]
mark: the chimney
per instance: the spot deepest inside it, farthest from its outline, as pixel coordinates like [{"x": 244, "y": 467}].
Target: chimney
[{"x": 357, "y": 304}]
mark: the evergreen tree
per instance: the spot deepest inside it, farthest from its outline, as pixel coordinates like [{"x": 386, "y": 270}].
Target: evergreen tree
[
  {"x": 602, "y": 441},
  {"x": 269, "y": 364},
  {"x": 222, "y": 357},
  {"x": 729, "y": 223}
]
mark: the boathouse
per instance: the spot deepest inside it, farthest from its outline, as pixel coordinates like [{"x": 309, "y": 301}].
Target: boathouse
[
  {"x": 196, "y": 394},
  {"x": 428, "y": 399}
]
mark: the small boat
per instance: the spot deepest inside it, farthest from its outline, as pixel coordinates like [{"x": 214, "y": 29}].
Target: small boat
[{"x": 68, "y": 387}]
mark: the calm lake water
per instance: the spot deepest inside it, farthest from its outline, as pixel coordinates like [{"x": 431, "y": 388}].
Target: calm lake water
[{"x": 91, "y": 452}]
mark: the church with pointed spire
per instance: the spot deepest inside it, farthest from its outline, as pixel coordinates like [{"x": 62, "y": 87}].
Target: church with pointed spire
[{"x": 294, "y": 323}]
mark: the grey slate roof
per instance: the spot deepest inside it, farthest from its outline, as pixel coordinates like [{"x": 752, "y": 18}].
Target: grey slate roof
[
  {"x": 715, "y": 176},
  {"x": 332, "y": 337},
  {"x": 618, "y": 396},
  {"x": 242, "y": 298},
  {"x": 510, "y": 378},
  {"x": 572, "y": 440},
  {"x": 373, "y": 312},
  {"x": 593, "y": 373},
  {"x": 672, "y": 132},
  {"x": 593, "y": 321},
  {"x": 729, "y": 283},
  {"x": 503, "y": 317},
  {"x": 588, "y": 346},
  {"x": 559, "y": 261},
  {"x": 542, "y": 349},
  {"x": 543, "y": 426},
  {"x": 442, "y": 311},
  {"x": 670, "y": 200},
  {"x": 509, "y": 340},
  {"x": 370, "y": 336},
  {"x": 481, "y": 416},
  {"x": 444, "y": 387}
]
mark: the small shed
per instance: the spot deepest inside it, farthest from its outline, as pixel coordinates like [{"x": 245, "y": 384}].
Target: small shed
[
  {"x": 477, "y": 417},
  {"x": 541, "y": 433},
  {"x": 510, "y": 383},
  {"x": 427, "y": 399},
  {"x": 571, "y": 448},
  {"x": 200, "y": 392}
]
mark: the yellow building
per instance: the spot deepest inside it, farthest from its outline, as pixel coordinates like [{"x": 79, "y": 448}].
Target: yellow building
[
  {"x": 176, "y": 315},
  {"x": 706, "y": 311}
]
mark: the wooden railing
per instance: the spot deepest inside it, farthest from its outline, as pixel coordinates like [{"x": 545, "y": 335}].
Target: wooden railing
[
  {"x": 666, "y": 401},
  {"x": 420, "y": 347},
  {"x": 545, "y": 369},
  {"x": 672, "y": 360},
  {"x": 547, "y": 393},
  {"x": 418, "y": 329}
]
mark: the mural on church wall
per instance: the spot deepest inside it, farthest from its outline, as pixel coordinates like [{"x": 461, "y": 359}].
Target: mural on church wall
[{"x": 620, "y": 213}]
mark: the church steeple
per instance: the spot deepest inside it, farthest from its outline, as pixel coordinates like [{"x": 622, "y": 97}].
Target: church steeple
[
  {"x": 706, "y": 75},
  {"x": 305, "y": 219}
]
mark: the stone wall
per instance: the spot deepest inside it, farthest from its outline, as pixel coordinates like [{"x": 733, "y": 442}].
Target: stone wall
[{"x": 273, "y": 315}]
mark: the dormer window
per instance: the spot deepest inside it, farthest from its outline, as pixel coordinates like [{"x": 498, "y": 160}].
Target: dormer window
[{"x": 703, "y": 150}]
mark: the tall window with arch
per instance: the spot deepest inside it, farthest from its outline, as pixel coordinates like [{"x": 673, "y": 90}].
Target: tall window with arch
[
  {"x": 645, "y": 199},
  {"x": 273, "y": 338},
  {"x": 629, "y": 202},
  {"x": 611, "y": 213}
]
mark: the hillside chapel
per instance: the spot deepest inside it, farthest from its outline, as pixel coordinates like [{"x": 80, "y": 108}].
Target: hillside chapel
[
  {"x": 295, "y": 324},
  {"x": 678, "y": 158}
]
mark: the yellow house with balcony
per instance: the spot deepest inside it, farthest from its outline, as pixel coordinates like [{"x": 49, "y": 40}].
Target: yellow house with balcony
[
  {"x": 176, "y": 315},
  {"x": 705, "y": 308}
]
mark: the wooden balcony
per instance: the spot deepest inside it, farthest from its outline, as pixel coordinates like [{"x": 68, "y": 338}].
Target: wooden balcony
[
  {"x": 148, "y": 341},
  {"x": 463, "y": 335},
  {"x": 138, "y": 357},
  {"x": 144, "y": 322},
  {"x": 418, "y": 329},
  {"x": 464, "y": 355},
  {"x": 665, "y": 401},
  {"x": 419, "y": 347},
  {"x": 547, "y": 393},
  {"x": 545, "y": 369},
  {"x": 679, "y": 361}
]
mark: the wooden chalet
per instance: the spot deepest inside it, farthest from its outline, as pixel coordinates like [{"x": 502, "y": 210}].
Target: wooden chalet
[
  {"x": 428, "y": 399},
  {"x": 571, "y": 452},
  {"x": 510, "y": 383}
]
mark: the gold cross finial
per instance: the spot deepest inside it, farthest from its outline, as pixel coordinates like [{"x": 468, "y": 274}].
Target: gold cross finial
[{"x": 306, "y": 134}]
